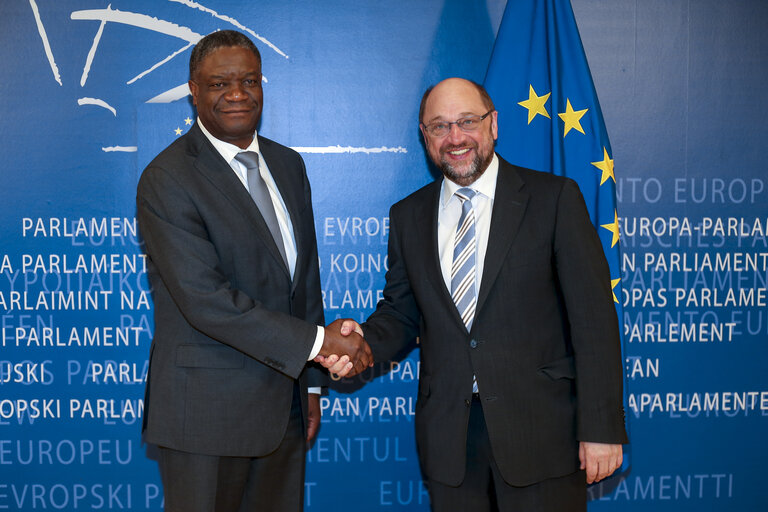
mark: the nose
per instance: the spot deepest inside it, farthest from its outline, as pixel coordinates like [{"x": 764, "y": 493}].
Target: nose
[
  {"x": 455, "y": 134},
  {"x": 235, "y": 92}
]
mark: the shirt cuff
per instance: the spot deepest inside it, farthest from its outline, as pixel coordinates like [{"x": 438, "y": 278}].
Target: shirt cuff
[
  {"x": 319, "y": 338},
  {"x": 315, "y": 390}
]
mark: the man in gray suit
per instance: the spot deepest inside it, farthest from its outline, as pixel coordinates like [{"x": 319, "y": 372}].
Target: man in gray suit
[
  {"x": 500, "y": 273},
  {"x": 226, "y": 216}
]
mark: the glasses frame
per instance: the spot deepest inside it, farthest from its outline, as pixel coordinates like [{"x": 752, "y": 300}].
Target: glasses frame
[{"x": 429, "y": 127}]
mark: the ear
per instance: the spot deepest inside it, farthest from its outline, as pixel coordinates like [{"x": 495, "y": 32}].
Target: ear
[
  {"x": 194, "y": 90},
  {"x": 424, "y": 134},
  {"x": 495, "y": 124}
]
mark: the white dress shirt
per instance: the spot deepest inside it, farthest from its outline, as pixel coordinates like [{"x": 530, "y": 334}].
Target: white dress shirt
[
  {"x": 450, "y": 212},
  {"x": 229, "y": 152}
]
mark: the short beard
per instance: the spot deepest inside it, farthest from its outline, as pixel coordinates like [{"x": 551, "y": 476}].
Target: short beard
[{"x": 476, "y": 169}]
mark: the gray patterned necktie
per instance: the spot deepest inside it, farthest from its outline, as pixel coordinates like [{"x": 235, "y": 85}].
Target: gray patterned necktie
[
  {"x": 260, "y": 194},
  {"x": 464, "y": 268}
]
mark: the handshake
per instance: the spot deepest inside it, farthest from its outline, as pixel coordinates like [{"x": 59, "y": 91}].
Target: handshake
[{"x": 344, "y": 351}]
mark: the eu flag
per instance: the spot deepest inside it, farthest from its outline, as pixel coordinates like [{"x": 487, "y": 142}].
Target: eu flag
[{"x": 549, "y": 116}]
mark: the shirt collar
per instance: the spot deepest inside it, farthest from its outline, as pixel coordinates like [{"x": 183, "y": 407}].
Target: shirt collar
[
  {"x": 485, "y": 184},
  {"x": 226, "y": 150}
]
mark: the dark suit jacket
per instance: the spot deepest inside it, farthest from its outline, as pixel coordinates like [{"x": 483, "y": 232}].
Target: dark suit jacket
[
  {"x": 544, "y": 343},
  {"x": 232, "y": 330}
]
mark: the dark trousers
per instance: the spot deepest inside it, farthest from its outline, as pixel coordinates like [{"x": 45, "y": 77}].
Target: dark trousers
[
  {"x": 484, "y": 490},
  {"x": 204, "y": 483}
]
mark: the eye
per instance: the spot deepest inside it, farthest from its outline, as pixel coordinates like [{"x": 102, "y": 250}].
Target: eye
[
  {"x": 250, "y": 82},
  {"x": 467, "y": 123},
  {"x": 217, "y": 85}
]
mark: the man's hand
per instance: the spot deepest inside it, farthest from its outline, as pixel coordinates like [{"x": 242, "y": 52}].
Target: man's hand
[
  {"x": 355, "y": 353},
  {"x": 313, "y": 418},
  {"x": 348, "y": 326},
  {"x": 599, "y": 459},
  {"x": 341, "y": 366}
]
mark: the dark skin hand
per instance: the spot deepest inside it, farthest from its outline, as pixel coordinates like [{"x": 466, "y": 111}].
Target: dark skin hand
[
  {"x": 313, "y": 418},
  {"x": 352, "y": 345}
]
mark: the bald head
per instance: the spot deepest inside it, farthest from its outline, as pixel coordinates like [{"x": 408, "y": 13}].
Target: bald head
[{"x": 456, "y": 85}]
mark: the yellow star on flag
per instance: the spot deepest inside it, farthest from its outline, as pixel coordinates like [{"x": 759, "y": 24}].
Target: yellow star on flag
[
  {"x": 613, "y": 228},
  {"x": 571, "y": 118},
  {"x": 178, "y": 131},
  {"x": 188, "y": 121},
  {"x": 605, "y": 165},
  {"x": 535, "y": 104},
  {"x": 614, "y": 282}
]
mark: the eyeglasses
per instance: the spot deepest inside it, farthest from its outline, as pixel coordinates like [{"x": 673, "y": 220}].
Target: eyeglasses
[{"x": 465, "y": 124}]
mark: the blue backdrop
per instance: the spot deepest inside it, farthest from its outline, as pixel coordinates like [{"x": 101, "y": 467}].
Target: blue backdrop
[{"x": 92, "y": 90}]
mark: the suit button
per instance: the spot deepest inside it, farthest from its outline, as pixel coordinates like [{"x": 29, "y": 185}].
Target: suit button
[
  {"x": 473, "y": 343},
  {"x": 467, "y": 403}
]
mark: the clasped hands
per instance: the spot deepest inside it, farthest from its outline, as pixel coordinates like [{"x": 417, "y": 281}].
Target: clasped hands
[{"x": 344, "y": 351}]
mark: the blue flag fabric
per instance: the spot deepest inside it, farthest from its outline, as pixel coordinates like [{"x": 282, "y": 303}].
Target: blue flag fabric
[{"x": 549, "y": 116}]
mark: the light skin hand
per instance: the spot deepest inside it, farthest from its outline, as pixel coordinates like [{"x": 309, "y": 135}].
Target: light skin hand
[
  {"x": 313, "y": 417},
  {"x": 348, "y": 326},
  {"x": 599, "y": 460},
  {"x": 340, "y": 366}
]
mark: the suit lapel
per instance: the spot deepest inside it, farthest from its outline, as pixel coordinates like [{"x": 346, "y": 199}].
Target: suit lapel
[
  {"x": 508, "y": 209},
  {"x": 210, "y": 163}
]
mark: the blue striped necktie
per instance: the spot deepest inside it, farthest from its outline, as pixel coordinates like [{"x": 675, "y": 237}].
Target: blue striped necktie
[
  {"x": 463, "y": 270},
  {"x": 464, "y": 255}
]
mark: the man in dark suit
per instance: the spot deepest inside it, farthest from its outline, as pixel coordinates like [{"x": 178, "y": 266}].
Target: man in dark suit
[
  {"x": 227, "y": 220},
  {"x": 499, "y": 272}
]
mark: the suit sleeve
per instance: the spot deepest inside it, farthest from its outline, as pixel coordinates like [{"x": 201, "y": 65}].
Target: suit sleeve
[
  {"x": 585, "y": 282},
  {"x": 189, "y": 266},
  {"x": 395, "y": 323},
  {"x": 317, "y": 376}
]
